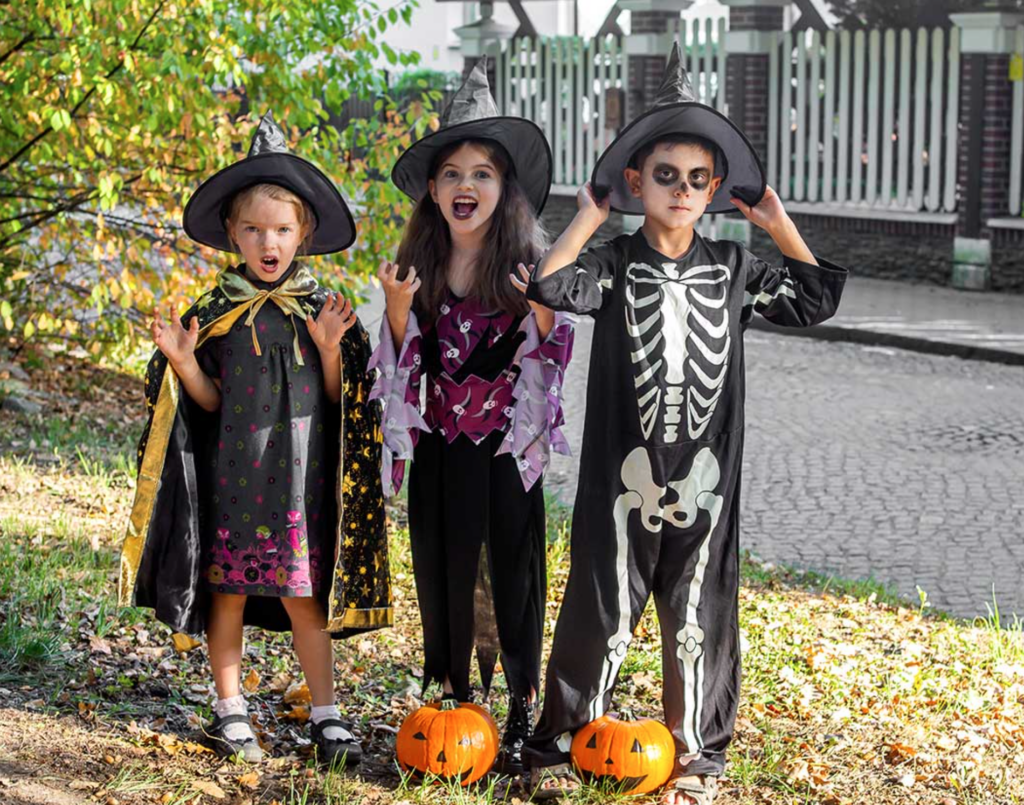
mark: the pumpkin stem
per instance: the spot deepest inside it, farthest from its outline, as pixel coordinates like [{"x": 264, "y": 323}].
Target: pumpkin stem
[
  {"x": 625, "y": 714},
  {"x": 449, "y": 704}
]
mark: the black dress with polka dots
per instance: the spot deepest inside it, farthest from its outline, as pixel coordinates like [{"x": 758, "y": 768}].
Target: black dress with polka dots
[{"x": 272, "y": 502}]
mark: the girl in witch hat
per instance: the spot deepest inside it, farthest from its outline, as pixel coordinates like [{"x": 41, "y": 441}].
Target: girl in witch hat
[
  {"x": 458, "y": 325},
  {"x": 247, "y": 509},
  {"x": 657, "y": 507}
]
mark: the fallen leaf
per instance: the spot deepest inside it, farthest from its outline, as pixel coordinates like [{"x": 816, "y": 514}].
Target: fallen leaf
[
  {"x": 298, "y": 693},
  {"x": 250, "y": 780},
  {"x": 183, "y": 643},
  {"x": 210, "y": 788},
  {"x": 97, "y": 645},
  {"x": 251, "y": 682},
  {"x": 300, "y": 714}
]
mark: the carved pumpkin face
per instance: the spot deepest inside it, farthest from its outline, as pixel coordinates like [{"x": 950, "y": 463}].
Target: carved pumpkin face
[
  {"x": 451, "y": 740},
  {"x": 635, "y": 757}
]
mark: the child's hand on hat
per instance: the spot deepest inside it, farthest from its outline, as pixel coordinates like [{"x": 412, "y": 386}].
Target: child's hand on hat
[
  {"x": 589, "y": 205},
  {"x": 398, "y": 294},
  {"x": 176, "y": 342},
  {"x": 769, "y": 212},
  {"x": 336, "y": 318}
]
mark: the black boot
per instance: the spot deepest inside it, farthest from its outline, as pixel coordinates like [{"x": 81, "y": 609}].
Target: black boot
[{"x": 518, "y": 728}]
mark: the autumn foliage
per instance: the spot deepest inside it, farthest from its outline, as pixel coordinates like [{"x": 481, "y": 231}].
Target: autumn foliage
[{"x": 112, "y": 113}]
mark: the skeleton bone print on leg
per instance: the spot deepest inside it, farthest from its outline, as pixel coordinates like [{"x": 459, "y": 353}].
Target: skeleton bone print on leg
[
  {"x": 694, "y": 493},
  {"x": 667, "y": 313}
]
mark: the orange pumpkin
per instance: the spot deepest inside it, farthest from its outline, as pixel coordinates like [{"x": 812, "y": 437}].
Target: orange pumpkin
[
  {"x": 451, "y": 740},
  {"x": 636, "y": 757}
]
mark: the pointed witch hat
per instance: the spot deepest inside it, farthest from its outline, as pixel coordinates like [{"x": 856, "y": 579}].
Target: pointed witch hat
[
  {"x": 269, "y": 161},
  {"x": 473, "y": 115},
  {"x": 676, "y": 110}
]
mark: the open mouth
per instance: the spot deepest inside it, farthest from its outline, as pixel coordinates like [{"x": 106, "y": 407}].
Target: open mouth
[
  {"x": 463, "y": 207},
  {"x": 269, "y": 263}
]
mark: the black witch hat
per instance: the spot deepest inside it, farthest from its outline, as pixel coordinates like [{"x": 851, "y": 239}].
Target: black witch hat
[
  {"x": 676, "y": 110},
  {"x": 473, "y": 115},
  {"x": 269, "y": 161}
]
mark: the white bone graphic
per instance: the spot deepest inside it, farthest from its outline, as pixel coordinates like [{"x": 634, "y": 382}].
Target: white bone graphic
[
  {"x": 692, "y": 494},
  {"x": 685, "y": 323}
]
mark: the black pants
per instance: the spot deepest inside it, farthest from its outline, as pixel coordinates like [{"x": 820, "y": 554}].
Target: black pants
[
  {"x": 462, "y": 499},
  {"x": 676, "y": 539}
]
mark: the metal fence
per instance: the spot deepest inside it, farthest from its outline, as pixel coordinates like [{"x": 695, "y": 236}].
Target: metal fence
[{"x": 865, "y": 119}]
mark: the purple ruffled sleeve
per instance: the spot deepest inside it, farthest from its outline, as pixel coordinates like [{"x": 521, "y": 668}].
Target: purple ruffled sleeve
[
  {"x": 398, "y": 388},
  {"x": 535, "y": 429}
]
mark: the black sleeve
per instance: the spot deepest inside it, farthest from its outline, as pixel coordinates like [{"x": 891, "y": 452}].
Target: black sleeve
[
  {"x": 583, "y": 287},
  {"x": 795, "y": 294},
  {"x": 208, "y": 358}
]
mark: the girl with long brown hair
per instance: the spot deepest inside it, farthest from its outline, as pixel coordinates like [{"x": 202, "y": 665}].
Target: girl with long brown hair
[{"x": 458, "y": 326}]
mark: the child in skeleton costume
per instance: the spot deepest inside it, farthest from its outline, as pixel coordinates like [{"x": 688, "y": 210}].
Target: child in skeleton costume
[
  {"x": 491, "y": 364},
  {"x": 657, "y": 509},
  {"x": 258, "y": 499}
]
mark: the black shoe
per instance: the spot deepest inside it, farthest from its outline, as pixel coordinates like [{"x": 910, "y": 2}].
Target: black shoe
[
  {"x": 518, "y": 728},
  {"x": 248, "y": 748},
  {"x": 329, "y": 752}
]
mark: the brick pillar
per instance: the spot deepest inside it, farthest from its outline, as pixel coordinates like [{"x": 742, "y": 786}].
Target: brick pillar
[
  {"x": 653, "y": 22},
  {"x": 746, "y": 83},
  {"x": 983, "y": 148}
]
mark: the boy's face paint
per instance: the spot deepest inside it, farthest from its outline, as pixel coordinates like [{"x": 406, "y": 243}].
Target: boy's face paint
[
  {"x": 676, "y": 184},
  {"x": 467, "y": 188},
  {"x": 268, "y": 235}
]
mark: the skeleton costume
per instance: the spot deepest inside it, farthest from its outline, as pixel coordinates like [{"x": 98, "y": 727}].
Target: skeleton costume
[
  {"x": 657, "y": 507},
  {"x": 480, "y": 445}
]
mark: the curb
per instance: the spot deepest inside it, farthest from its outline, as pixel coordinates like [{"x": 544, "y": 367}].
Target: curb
[{"x": 832, "y": 332}]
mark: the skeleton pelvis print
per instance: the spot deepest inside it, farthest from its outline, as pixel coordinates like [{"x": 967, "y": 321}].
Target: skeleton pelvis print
[{"x": 679, "y": 326}]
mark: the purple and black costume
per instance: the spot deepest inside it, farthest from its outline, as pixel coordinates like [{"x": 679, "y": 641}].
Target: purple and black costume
[{"x": 491, "y": 418}]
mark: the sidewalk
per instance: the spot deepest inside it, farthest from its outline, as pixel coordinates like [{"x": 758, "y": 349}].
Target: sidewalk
[{"x": 925, "y": 318}]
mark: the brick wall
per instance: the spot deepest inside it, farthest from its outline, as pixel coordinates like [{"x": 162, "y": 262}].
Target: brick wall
[
  {"x": 868, "y": 248},
  {"x": 755, "y": 18},
  {"x": 1008, "y": 260}
]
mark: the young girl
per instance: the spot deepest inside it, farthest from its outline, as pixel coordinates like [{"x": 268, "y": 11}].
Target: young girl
[
  {"x": 458, "y": 324},
  {"x": 239, "y": 503}
]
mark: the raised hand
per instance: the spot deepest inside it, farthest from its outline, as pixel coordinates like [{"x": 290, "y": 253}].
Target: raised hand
[
  {"x": 769, "y": 212},
  {"x": 520, "y": 282},
  {"x": 587, "y": 204},
  {"x": 398, "y": 293},
  {"x": 336, "y": 318},
  {"x": 173, "y": 340}
]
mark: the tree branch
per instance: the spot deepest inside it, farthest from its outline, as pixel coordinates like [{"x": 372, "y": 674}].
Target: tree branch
[{"x": 113, "y": 71}]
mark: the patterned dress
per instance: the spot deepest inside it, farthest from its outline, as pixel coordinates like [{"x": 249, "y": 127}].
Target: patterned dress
[
  {"x": 272, "y": 502},
  {"x": 491, "y": 416}
]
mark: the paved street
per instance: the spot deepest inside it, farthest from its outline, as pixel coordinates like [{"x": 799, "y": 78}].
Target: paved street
[{"x": 871, "y": 461}]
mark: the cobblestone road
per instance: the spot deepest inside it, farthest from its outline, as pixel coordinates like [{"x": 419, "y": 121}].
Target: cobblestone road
[{"x": 874, "y": 462}]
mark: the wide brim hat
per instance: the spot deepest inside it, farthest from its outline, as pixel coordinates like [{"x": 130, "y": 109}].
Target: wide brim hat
[
  {"x": 676, "y": 110},
  {"x": 270, "y": 161},
  {"x": 473, "y": 115}
]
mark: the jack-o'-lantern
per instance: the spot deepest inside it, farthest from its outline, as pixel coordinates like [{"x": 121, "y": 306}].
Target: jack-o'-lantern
[
  {"x": 632, "y": 757},
  {"x": 450, "y": 740}
]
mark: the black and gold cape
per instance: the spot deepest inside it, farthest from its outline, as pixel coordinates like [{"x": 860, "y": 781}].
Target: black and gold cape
[{"x": 168, "y": 532}]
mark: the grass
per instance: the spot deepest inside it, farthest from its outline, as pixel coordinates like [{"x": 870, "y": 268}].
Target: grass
[{"x": 850, "y": 694}]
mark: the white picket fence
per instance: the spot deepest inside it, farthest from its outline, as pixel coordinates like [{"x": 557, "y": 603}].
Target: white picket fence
[
  {"x": 1017, "y": 135},
  {"x": 703, "y": 43},
  {"x": 565, "y": 85},
  {"x": 575, "y": 89},
  {"x": 866, "y": 119}
]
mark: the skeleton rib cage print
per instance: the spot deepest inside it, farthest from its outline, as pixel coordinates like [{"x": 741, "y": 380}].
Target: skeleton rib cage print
[{"x": 679, "y": 323}]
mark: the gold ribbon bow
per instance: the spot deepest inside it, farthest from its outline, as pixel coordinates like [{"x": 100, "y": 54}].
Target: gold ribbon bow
[{"x": 239, "y": 289}]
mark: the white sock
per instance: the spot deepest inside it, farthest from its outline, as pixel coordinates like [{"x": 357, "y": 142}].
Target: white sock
[
  {"x": 234, "y": 706},
  {"x": 318, "y": 714}
]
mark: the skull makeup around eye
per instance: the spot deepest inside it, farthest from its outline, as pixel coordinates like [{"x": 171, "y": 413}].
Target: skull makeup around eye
[{"x": 666, "y": 175}]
